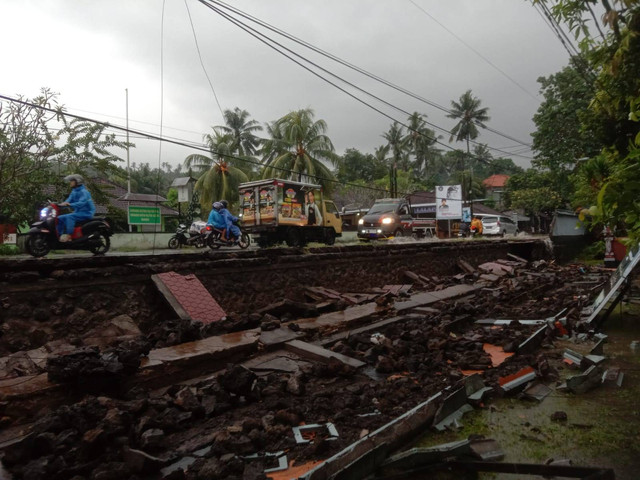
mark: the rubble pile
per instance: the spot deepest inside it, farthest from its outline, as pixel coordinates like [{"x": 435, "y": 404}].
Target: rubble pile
[{"x": 238, "y": 423}]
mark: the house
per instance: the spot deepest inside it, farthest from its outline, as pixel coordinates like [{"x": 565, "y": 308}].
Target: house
[{"x": 495, "y": 186}]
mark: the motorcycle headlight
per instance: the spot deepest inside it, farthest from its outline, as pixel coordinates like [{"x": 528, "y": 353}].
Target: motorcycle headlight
[
  {"x": 387, "y": 220},
  {"x": 43, "y": 212},
  {"x": 361, "y": 221}
]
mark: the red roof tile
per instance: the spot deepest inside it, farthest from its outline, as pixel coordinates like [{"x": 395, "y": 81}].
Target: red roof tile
[
  {"x": 193, "y": 297},
  {"x": 496, "y": 181}
]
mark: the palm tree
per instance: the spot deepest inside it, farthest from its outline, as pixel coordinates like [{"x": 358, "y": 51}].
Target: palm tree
[
  {"x": 397, "y": 143},
  {"x": 299, "y": 147},
  {"x": 242, "y": 131},
  {"x": 468, "y": 110},
  {"x": 218, "y": 178},
  {"x": 420, "y": 141}
]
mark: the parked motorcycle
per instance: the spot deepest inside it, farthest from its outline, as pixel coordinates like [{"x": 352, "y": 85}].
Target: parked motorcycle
[
  {"x": 215, "y": 238},
  {"x": 92, "y": 234},
  {"x": 187, "y": 237}
]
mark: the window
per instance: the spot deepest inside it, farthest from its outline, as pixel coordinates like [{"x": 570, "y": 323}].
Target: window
[{"x": 404, "y": 210}]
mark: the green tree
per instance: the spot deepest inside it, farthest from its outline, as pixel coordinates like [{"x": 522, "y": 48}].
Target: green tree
[
  {"x": 470, "y": 115},
  {"x": 33, "y": 158},
  {"x": 355, "y": 165},
  {"x": 564, "y": 133},
  {"x": 398, "y": 143},
  {"x": 242, "y": 131},
  {"x": 299, "y": 147},
  {"x": 611, "y": 63},
  {"x": 217, "y": 178},
  {"x": 420, "y": 141}
]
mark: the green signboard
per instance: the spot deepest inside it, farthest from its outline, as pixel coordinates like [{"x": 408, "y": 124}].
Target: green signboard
[{"x": 144, "y": 215}]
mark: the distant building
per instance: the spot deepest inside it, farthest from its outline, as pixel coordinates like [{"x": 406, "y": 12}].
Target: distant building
[{"x": 495, "y": 186}]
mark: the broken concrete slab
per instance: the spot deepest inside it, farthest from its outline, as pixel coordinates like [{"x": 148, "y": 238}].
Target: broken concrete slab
[
  {"x": 585, "y": 381},
  {"x": 188, "y": 297},
  {"x": 465, "y": 266},
  {"x": 202, "y": 355},
  {"x": 598, "y": 348},
  {"x": 453, "y": 407},
  {"x": 418, "y": 457},
  {"x": 613, "y": 376},
  {"x": 487, "y": 450},
  {"x": 427, "y": 298},
  {"x": 340, "y": 319},
  {"x": 537, "y": 391},
  {"x": 362, "y": 457},
  {"x": 276, "y": 338},
  {"x": 295, "y": 309},
  {"x": 314, "y": 352},
  {"x": 365, "y": 329},
  {"x": 532, "y": 343},
  {"x": 518, "y": 379}
]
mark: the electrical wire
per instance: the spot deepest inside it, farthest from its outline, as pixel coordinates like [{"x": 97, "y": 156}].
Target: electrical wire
[
  {"x": 350, "y": 65},
  {"x": 155, "y": 226},
  {"x": 276, "y": 46},
  {"x": 494, "y": 66},
  {"x": 200, "y": 147},
  {"x": 195, "y": 39}
]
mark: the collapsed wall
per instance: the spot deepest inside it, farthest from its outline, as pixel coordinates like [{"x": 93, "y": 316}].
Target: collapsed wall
[{"x": 43, "y": 301}]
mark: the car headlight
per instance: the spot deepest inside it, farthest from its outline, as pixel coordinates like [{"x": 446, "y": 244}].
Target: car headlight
[
  {"x": 387, "y": 220},
  {"x": 361, "y": 221}
]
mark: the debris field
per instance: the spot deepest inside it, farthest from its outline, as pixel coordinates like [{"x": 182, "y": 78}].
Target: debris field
[{"x": 272, "y": 393}]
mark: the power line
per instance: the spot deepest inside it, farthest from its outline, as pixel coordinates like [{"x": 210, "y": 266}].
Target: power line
[
  {"x": 195, "y": 39},
  {"x": 493, "y": 65},
  {"x": 349, "y": 65},
  {"x": 272, "y": 44},
  {"x": 200, "y": 147}
]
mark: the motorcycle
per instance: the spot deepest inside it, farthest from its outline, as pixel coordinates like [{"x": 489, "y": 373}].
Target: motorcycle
[
  {"x": 187, "y": 237},
  {"x": 215, "y": 238},
  {"x": 92, "y": 234}
]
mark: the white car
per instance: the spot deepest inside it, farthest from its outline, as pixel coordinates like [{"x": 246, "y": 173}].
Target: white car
[{"x": 498, "y": 225}]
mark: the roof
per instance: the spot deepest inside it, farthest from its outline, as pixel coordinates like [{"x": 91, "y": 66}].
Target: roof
[
  {"x": 417, "y": 198},
  {"x": 142, "y": 197},
  {"x": 182, "y": 181},
  {"x": 481, "y": 209},
  {"x": 496, "y": 181}
]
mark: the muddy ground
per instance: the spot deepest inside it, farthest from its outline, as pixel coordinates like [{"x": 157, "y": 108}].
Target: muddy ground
[
  {"x": 213, "y": 423},
  {"x": 602, "y": 427}
]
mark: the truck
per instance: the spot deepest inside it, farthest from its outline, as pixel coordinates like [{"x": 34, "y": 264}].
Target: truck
[
  {"x": 276, "y": 210},
  {"x": 396, "y": 217}
]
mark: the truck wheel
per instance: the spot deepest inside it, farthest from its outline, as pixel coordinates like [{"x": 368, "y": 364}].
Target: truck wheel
[
  {"x": 293, "y": 238},
  {"x": 330, "y": 236},
  {"x": 398, "y": 233}
]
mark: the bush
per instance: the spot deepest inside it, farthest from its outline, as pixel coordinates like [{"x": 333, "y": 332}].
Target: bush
[{"x": 8, "y": 249}]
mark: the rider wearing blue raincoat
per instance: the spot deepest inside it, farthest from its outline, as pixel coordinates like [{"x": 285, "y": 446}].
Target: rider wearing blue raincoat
[
  {"x": 82, "y": 204},
  {"x": 215, "y": 217},
  {"x": 230, "y": 220}
]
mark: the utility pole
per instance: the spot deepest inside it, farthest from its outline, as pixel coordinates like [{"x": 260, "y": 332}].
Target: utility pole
[{"x": 126, "y": 92}]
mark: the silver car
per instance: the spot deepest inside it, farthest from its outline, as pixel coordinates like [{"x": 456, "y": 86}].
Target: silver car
[{"x": 498, "y": 225}]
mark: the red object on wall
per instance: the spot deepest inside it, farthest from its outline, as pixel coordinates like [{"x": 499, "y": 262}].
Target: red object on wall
[
  {"x": 619, "y": 250},
  {"x": 6, "y": 229}
]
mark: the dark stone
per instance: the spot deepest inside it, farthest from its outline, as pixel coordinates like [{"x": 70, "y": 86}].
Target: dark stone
[
  {"x": 559, "y": 416},
  {"x": 152, "y": 438},
  {"x": 238, "y": 380}
]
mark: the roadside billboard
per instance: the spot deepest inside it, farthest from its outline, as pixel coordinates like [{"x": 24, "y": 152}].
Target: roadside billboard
[{"x": 448, "y": 202}]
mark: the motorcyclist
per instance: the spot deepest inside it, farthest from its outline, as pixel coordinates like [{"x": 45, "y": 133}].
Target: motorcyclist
[
  {"x": 476, "y": 224},
  {"x": 215, "y": 217},
  {"x": 230, "y": 220},
  {"x": 82, "y": 204}
]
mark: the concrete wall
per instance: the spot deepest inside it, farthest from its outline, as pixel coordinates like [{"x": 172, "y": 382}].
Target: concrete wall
[{"x": 140, "y": 241}]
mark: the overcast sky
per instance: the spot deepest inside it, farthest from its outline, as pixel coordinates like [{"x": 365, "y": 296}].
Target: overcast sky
[{"x": 90, "y": 51}]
